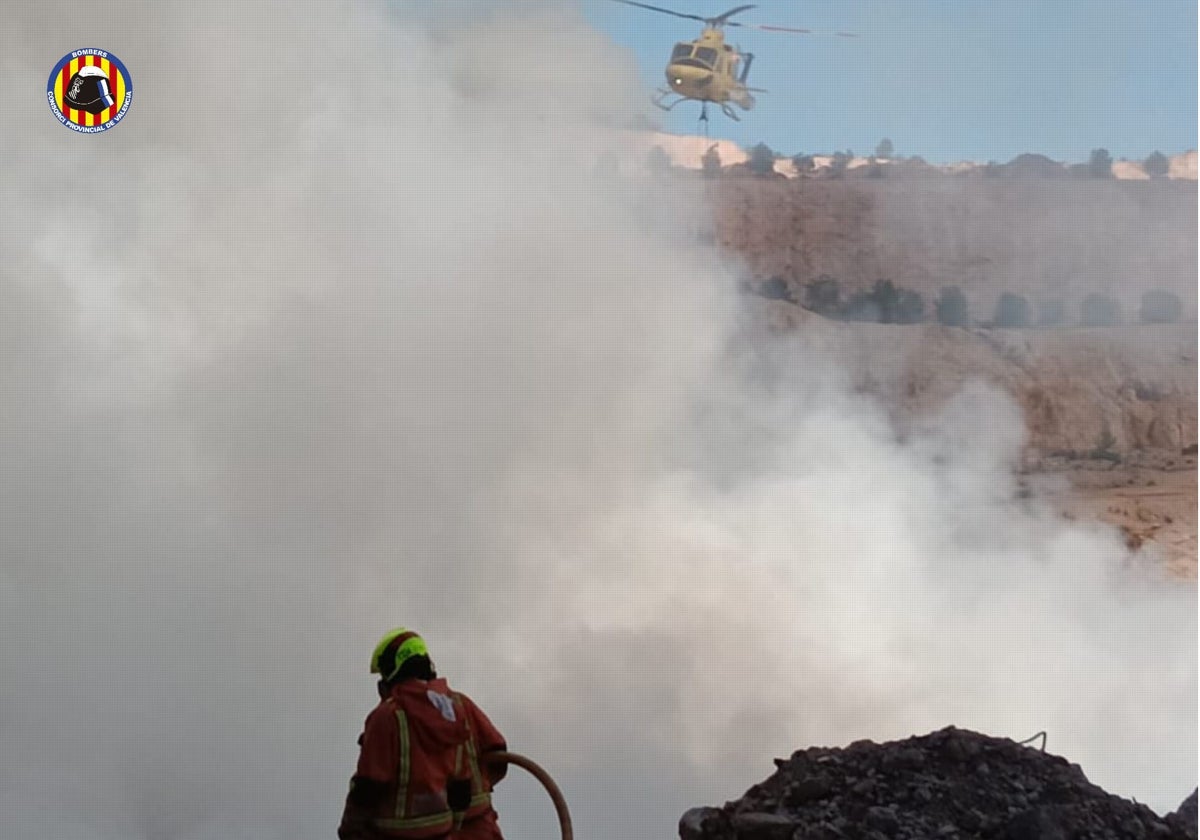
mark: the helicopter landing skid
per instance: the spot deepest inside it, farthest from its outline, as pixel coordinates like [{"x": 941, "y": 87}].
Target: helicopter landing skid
[{"x": 660, "y": 95}]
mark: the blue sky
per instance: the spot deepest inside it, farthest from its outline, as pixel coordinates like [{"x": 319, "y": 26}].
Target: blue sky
[{"x": 947, "y": 79}]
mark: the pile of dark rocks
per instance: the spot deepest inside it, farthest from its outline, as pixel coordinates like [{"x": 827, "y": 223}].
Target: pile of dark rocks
[{"x": 952, "y": 784}]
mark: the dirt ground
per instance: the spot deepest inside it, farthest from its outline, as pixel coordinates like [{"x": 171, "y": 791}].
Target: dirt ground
[{"x": 1155, "y": 509}]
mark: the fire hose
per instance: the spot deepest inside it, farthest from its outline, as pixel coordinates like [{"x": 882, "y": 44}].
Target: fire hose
[{"x": 560, "y": 803}]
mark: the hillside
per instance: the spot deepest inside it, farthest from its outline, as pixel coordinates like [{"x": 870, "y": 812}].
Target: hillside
[
  {"x": 1111, "y": 413},
  {"x": 1130, "y": 390},
  {"x": 1046, "y": 238},
  {"x": 685, "y": 151},
  {"x": 1033, "y": 226}
]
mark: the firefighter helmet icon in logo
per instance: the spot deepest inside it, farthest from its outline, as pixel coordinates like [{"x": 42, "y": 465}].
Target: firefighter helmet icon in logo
[{"x": 89, "y": 91}]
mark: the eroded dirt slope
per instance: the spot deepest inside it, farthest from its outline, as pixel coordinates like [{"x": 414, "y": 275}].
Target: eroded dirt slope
[{"x": 1046, "y": 238}]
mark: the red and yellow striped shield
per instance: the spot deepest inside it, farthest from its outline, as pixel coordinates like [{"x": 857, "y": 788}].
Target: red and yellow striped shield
[{"x": 108, "y": 82}]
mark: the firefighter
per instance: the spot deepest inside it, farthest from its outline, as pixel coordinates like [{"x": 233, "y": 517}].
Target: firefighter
[{"x": 422, "y": 772}]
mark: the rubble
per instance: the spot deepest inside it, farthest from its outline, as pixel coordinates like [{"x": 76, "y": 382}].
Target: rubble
[{"x": 952, "y": 784}]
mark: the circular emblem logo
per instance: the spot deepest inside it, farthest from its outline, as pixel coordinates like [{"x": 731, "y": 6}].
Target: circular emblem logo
[{"x": 89, "y": 91}]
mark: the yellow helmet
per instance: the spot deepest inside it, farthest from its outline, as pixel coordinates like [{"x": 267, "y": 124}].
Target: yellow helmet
[{"x": 402, "y": 644}]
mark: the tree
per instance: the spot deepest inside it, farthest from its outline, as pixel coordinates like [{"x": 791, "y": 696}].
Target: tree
[
  {"x": 710, "y": 163},
  {"x": 1160, "y": 307},
  {"x": 909, "y": 307},
  {"x": 1157, "y": 165},
  {"x": 838, "y": 164},
  {"x": 803, "y": 163},
  {"x": 762, "y": 160},
  {"x": 884, "y": 149},
  {"x": 950, "y": 308},
  {"x": 1052, "y": 312},
  {"x": 823, "y": 295},
  {"x": 1103, "y": 450},
  {"x": 887, "y": 298},
  {"x": 657, "y": 159},
  {"x": 886, "y": 303},
  {"x": 1012, "y": 311},
  {"x": 1100, "y": 164},
  {"x": 1100, "y": 311},
  {"x": 861, "y": 306},
  {"x": 775, "y": 288}
]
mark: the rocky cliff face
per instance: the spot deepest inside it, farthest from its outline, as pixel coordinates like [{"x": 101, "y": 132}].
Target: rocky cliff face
[
  {"x": 1046, "y": 238},
  {"x": 947, "y": 785}
]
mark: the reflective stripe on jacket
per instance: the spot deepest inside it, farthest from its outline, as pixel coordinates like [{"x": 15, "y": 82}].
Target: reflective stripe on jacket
[{"x": 421, "y": 741}]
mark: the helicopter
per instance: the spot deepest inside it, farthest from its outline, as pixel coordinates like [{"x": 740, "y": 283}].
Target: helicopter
[{"x": 706, "y": 69}]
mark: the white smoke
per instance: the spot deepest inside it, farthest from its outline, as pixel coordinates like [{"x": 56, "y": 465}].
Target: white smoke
[{"x": 339, "y": 330}]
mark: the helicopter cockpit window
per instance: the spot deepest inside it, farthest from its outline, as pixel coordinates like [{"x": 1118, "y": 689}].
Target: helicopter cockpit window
[
  {"x": 682, "y": 51},
  {"x": 706, "y": 55}
]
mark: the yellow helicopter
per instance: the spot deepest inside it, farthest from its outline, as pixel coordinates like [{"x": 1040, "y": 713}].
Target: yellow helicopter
[{"x": 706, "y": 69}]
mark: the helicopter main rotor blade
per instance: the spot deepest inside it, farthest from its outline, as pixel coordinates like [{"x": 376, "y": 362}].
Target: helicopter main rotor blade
[
  {"x": 789, "y": 29},
  {"x": 660, "y": 9},
  {"x": 724, "y": 18}
]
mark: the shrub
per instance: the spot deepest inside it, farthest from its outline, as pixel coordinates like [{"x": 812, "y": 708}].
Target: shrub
[
  {"x": 803, "y": 163},
  {"x": 886, "y": 303},
  {"x": 861, "y": 307},
  {"x": 1012, "y": 311},
  {"x": 823, "y": 296},
  {"x": 762, "y": 160},
  {"x": 1160, "y": 307},
  {"x": 908, "y": 308},
  {"x": 775, "y": 288},
  {"x": 1052, "y": 313},
  {"x": 887, "y": 297},
  {"x": 885, "y": 148},
  {"x": 657, "y": 159},
  {"x": 1100, "y": 311},
  {"x": 950, "y": 308},
  {"x": 1100, "y": 164},
  {"x": 710, "y": 163},
  {"x": 1103, "y": 450},
  {"x": 1157, "y": 165}
]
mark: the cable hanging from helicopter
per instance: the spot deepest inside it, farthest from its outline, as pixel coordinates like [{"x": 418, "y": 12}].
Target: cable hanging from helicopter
[{"x": 706, "y": 70}]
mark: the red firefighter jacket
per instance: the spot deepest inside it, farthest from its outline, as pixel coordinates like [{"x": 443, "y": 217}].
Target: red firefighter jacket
[{"x": 420, "y": 741}]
